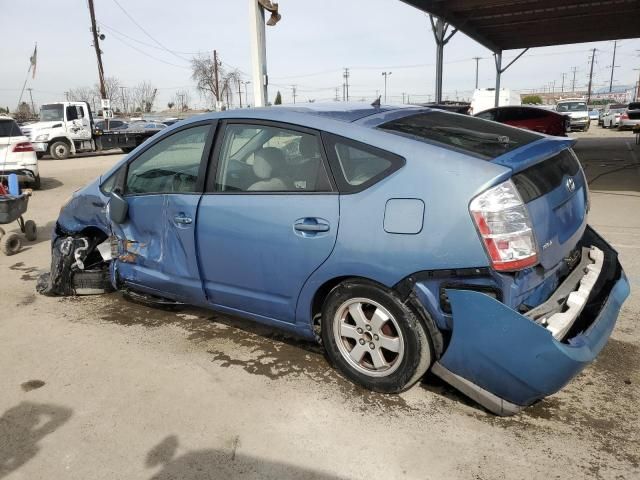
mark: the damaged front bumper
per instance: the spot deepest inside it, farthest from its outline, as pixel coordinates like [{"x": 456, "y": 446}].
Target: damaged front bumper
[{"x": 506, "y": 360}]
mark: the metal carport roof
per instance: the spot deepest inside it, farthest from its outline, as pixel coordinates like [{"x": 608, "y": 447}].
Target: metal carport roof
[{"x": 511, "y": 24}]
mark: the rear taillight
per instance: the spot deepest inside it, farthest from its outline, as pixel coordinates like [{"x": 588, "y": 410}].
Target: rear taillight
[
  {"x": 624, "y": 116},
  {"x": 503, "y": 222},
  {"x": 23, "y": 147}
]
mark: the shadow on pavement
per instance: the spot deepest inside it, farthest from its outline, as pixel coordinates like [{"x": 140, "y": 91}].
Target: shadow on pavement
[
  {"x": 22, "y": 427},
  {"x": 213, "y": 464},
  {"x": 611, "y": 164}
]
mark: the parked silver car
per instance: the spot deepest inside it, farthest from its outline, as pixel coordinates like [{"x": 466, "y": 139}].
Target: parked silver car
[{"x": 630, "y": 117}]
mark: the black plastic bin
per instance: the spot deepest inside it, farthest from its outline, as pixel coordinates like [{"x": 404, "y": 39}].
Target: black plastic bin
[{"x": 12, "y": 207}]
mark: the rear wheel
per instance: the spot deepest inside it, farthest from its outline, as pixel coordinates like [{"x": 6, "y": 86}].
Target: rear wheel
[
  {"x": 37, "y": 184},
  {"x": 373, "y": 338},
  {"x": 59, "y": 150},
  {"x": 30, "y": 230},
  {"x": 10, "y": 243}
]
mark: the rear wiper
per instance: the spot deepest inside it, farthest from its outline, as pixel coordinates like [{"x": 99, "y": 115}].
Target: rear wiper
[{"x": 475, "y": 135}]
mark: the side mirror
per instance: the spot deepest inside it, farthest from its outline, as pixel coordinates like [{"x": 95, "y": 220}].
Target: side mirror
[{"x": 118, "y": 208}]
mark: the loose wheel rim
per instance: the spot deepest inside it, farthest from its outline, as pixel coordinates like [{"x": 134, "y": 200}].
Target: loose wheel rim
[{"x": 368, "y": 337}]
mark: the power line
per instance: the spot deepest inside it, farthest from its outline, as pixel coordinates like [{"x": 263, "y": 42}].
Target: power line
[
  {"x": 149, "y": 55},
  {"x": 147, "y": 33}
]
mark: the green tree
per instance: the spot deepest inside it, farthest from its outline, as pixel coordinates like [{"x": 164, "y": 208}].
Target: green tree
[
  {"x": 278, "y": 100},
  {"x": 532, "y": 99}
]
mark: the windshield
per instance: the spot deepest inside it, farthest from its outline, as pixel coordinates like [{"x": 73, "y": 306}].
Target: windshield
[
  {"x": 51, "y": 113},
  {"x": 572, "y": 107},
  {"x": 469, "y": 134},
  {"x": 9, "y": 128}
]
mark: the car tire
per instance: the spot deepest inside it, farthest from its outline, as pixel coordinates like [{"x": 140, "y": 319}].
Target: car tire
[
  {"x": 392, "y": 346},
  {"x": 30, "y": 230},
  {"x": 37, "y": 184},
  {"x": 59, "y": 150},
  {"x": 92, "y": 282},
  {"x": 10, "y": 244},
  {"x": 39, "y": 155}
]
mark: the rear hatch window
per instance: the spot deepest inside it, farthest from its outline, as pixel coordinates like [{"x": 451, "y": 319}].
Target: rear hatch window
[
  {"x": 470, "y": 135},
  {"x": 634, "y": 111},
  {"x": 9, "y": 128}
]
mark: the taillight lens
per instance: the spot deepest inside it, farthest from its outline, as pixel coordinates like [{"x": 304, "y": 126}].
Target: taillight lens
[
  {"x": 503, "y": 222},
  {"x": 624, "y": 116},
  {"x": 23, "y": 147}
]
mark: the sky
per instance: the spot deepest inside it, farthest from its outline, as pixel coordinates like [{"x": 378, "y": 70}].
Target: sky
[{"x": 153, "y": 40}]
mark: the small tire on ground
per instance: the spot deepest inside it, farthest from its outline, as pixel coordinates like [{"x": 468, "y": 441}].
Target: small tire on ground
[
  {"x": 30, "y": 230},
  {"x": 39, "y": 155},
  {"x": 10, "y": 243},
  {"x": 59, "y": 150},
  {"x": 418, "y": 350},
  {"x": 92, "y": 282},
  {"x": 37, "y": 184}
]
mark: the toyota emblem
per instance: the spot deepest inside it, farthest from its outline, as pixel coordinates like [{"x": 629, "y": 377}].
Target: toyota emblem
[{"x": 571, "y": 185}]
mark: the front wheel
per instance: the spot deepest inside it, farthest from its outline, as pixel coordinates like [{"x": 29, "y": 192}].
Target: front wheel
[
  {"x": 373, "y": 338},
  {"x": 59, "y": 150}
]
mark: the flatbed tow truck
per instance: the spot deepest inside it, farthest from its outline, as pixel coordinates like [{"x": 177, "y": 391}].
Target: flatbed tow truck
[{"x": 67, "y": 128}]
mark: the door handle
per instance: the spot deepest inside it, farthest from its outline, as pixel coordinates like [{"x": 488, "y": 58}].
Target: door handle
[
  {"x": 311, "y": 227},
  {"x": 182, "y": 219}
]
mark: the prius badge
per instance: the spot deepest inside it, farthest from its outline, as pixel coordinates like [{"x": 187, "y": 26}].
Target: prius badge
[{"x": 571, "y": 184}]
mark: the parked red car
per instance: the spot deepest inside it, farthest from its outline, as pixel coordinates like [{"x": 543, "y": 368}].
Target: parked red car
[{"x": 530, "y": 118}]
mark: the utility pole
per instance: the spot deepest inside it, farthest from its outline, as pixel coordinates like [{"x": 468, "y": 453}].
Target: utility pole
[
  {"x": 477, "y": 59},
  {"x": 246, "y": 95},
  {"x": 259, "y": 46},
  {"x": 293, "y": 88},
  {"x": 573, "y": 82},
  {"x": 66, "y": 95},
  {"x": 337, "y": 99},
  {"x": 215, "y": 77},
  {"x": 613, "y": 65},
  {"x": 124, "y": 99},
  {"x": 562, "y": 88},
  {"x": 96, "y": 44},
  {"x": 240, "y": 92},
  {"x": 33, "y": 107},
  {"x": 385, "y": 75},
  {"x": 593, "y": 59},
  {"x": 403, "y": 95},
  {"x": 346, "y": 84}
]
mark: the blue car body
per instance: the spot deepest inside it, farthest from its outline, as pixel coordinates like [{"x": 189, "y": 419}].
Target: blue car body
[{"x": 410, "y": 231}]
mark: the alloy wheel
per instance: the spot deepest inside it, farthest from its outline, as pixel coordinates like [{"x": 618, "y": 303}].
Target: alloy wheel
[{"x": 368, "y": 337}]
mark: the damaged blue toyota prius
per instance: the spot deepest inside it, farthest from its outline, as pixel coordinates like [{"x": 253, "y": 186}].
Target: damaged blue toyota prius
[{"x": 403, "y": 239}]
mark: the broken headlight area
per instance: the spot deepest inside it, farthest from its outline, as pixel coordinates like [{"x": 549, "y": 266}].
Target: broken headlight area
[{"x": 79, "y": 266}]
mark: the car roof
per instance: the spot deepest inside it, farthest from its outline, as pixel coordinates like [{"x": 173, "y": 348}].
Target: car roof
[{"x": 344, "y": 111}]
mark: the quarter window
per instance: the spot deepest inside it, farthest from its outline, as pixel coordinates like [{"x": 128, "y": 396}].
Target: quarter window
[
  {"x": 260, "y": 158},
  {"x": 169, "y": 166},
  {"x": 358, "y": 166}
]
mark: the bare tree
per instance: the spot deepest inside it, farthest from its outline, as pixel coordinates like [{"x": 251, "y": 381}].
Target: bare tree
[
  {"x": 230, "y": 82},
  {"x": 143, "y": 96},
  {"x": 182, "y": 100},
  {"x": 112, "y": 89},
  {"x": 85, "y": 94},
  {"x": 203, "y": 72}
]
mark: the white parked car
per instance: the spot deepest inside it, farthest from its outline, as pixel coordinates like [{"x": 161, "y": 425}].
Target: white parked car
[
  {"x": 17, "y": 154},
  {"x": 630, "y": 117},
  {"x": 611, "y": 117}
]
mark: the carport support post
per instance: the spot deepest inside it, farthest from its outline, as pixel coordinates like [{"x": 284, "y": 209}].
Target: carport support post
[
  {"x": 498, "y": 58},
  {"x": 499, "y": 70},
  {"x": 258, "y": 53},
  {"x": 439, "y": 28}
]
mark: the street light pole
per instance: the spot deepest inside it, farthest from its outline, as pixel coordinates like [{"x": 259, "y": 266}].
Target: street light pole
[
  {"x": 259, "y": 47},
  {"x": 385, "y": 75}
]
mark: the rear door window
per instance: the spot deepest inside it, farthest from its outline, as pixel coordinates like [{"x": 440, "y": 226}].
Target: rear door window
[
  {"x": 470, "y": 135},
  {"x": 9, "y": 128}
]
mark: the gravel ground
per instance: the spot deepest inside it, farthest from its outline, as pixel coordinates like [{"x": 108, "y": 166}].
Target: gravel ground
[{"x": 100, "y": 388}]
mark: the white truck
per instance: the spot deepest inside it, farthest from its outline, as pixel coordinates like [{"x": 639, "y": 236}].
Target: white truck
[
  {"x": 67, "y": 128},
  {"x": 577, "y": 110},
  {"x": 485, "y": 98}
]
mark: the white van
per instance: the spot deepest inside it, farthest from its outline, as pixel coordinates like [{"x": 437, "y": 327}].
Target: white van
[{"x": 485, "y": 98}]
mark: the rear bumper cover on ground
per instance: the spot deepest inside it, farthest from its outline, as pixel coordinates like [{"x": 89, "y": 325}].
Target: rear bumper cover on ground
[{"x": 505, "y": 361}]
